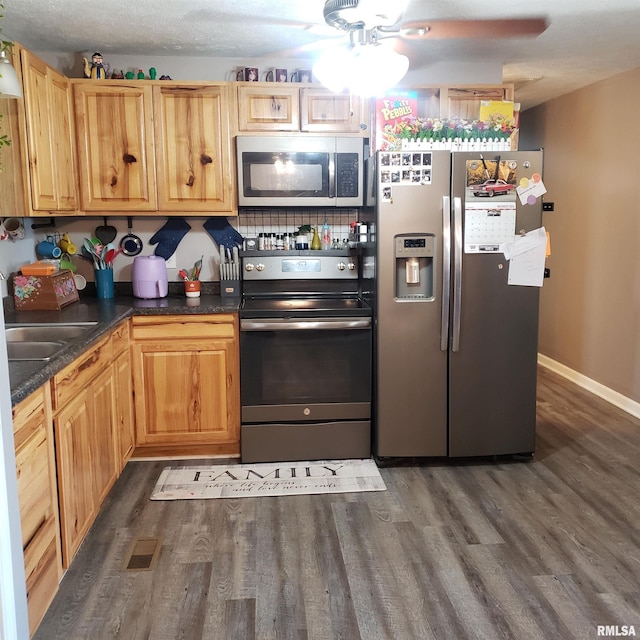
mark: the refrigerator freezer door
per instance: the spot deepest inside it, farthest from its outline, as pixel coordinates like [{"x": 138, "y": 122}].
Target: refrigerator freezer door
[
  {"x": 411, "y": 378},
  {"x": 492, "y": 374}
]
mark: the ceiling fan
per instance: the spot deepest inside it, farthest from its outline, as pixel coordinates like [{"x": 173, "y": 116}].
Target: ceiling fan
[
  {"x": 367, "y": 69},
  {"x": 385, "y": 21}
]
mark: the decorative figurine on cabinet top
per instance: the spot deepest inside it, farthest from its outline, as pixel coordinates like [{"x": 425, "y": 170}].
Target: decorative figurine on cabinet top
[{"x": 96, "y": 70}]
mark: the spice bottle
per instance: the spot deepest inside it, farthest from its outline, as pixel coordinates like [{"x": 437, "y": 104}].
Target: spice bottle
[
  {"x": 326, "y": 236},
  {"x": 316, "y": 243}
]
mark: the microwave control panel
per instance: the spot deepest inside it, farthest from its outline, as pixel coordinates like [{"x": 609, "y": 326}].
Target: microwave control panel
[{"x": 347, "y": 175}]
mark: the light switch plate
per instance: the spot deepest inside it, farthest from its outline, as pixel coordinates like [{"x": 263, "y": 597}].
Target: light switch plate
[{"x": 171, "y": 262}]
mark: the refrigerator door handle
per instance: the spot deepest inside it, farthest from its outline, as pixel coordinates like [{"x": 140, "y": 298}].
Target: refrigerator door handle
[
  {"x": 446, "y": 272},
  {"x": 457, "y": 273}
]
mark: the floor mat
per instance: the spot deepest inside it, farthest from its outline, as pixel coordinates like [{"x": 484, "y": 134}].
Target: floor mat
[{"x": 267, "y": 479}]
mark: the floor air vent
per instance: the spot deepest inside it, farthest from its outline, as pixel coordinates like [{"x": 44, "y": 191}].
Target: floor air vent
[{"x": 142, "y": 555}]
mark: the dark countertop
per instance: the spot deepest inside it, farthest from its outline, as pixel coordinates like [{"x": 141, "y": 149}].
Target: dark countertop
[{"x": 27, "y": 376}]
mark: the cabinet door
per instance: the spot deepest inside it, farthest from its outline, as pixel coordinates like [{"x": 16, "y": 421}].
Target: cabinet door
[
  {"x": 123, "y": 408},
  {"x": 268, "y": 108},
  {"x": 103, "y": 436},
  {"x": 114, "y": 128},
  {"x": 12, "y": 174},
  {"x": 193, "y": 147},
  {"x": 39, "y": 133},
  {"x": 187, "y": 395},
  {"x": 75, "y": 460},
  {"x": 52, "y": 167},
  {"x": 323, "y": 111},
  {"x": 63, "y": 147},
  {"x": 464, "y": 102},
  {"x": 38, "y": 499}
]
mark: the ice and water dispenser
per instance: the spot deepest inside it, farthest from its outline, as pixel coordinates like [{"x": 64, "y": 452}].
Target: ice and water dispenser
[{"x": 414, "y": 256}]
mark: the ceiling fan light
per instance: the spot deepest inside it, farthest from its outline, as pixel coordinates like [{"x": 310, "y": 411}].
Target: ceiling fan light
[
  {"x": 376, "y": 69},
  {"x": 333, "y": 69},
  {"x": 9, "y": 83},
  {"x": 366, "y": 70}
]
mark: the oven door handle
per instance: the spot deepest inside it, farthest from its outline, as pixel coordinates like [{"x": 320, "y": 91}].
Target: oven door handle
[{"x": 302, "y": 324}]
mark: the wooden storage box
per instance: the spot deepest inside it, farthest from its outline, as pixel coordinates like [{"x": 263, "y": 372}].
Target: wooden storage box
[{"x": 43, "y": 293}]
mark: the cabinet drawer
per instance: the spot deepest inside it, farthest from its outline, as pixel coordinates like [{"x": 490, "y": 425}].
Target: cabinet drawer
[
  {"x": 184, "y": 327},
  {"x": 34, "y": 470},
  {"x": 67, "y": 384},
  {"x": 120, "y": 339},
  {"x": 34, "y": 488}
]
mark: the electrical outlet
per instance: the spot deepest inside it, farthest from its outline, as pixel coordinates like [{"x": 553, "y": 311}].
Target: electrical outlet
[{"x": 171, "y": 262}]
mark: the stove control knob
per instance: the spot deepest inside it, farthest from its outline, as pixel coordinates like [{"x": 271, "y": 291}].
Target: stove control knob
[
  {"x": 351, "y": 266},
  {"x": 341, "y": 266},
  {"x": 260, "y": 267},
  {"x": 249, "y": 266}
]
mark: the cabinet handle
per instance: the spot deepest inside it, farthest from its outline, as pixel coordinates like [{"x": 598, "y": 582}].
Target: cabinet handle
[
  {"x": 128, "y": 158},
  {"x": 205, "y": 159}
]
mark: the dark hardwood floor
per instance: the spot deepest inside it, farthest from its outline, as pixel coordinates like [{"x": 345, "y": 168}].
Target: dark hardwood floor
[{"x": 540, "y": 550}]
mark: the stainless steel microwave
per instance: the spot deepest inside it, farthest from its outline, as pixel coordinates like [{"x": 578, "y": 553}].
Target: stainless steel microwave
[{"x": 296, "y": 171}]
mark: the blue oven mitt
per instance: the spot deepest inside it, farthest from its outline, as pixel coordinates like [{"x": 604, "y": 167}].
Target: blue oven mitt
[
  {"x": 223, "y": 233},
  {"x": 168, "y": 238}
]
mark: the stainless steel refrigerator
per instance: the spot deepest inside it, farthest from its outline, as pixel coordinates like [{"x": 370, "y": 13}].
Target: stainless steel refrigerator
[{"x": 456, "y": 344}]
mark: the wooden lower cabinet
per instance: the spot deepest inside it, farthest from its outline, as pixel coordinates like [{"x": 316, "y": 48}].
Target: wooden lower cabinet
[
  {"x": 90, "y": 436},
  {"x": 124, "y": 408},
  {"x": 123, "y": 385},
  {"x": 186, "y": 382},
  {"x": 87, "y": 462},
  {"x": 38, "y": 498}
]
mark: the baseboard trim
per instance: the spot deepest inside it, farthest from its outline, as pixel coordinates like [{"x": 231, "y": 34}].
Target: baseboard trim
[{"x": 615, "y": 398}]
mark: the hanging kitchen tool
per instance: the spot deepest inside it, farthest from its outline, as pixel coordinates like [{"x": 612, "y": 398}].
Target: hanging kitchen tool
[
  {"x": 130, "y": 244},
  {"x": 106, "y": 233}
]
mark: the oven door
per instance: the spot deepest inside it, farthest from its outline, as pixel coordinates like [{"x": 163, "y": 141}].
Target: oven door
[
  {"x": 302, "y": 369},
  {"x": 305, "y": 388}
]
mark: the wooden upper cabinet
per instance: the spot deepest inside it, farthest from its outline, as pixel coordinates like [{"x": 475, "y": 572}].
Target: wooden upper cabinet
[
  {"x": 268, "y": 108},
  {"x": 279, "y": 107},
  {"x": 193, "y": 148},
  {"x": 114, "y": 124},
  {"x": 323, "y": 111},
  {"x": 49, "y": 134},
  {"x": 464, "y": 102},
  {"x": 13, "y": 181}
]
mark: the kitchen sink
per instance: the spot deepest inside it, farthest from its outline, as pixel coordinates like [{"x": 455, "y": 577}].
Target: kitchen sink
[
  {"x": 42, "y": 341},
  {"x": 46, "y": 333},
  {"x": 33, "y": 350}
]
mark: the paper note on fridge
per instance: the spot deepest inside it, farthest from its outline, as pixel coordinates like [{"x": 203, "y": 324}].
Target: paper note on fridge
[
  {"x": 531, "y": 189},
  {"x": 526, "y": 258}
]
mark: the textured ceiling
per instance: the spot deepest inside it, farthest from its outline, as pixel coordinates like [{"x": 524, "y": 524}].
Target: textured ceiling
[{"x": 585, "y": 42}]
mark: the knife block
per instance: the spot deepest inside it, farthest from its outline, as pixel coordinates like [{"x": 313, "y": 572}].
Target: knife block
[{"x": 229, "y": 288}]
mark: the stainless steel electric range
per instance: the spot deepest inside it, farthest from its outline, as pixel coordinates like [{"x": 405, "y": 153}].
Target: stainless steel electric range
[{"x": 305, "y": 357}]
